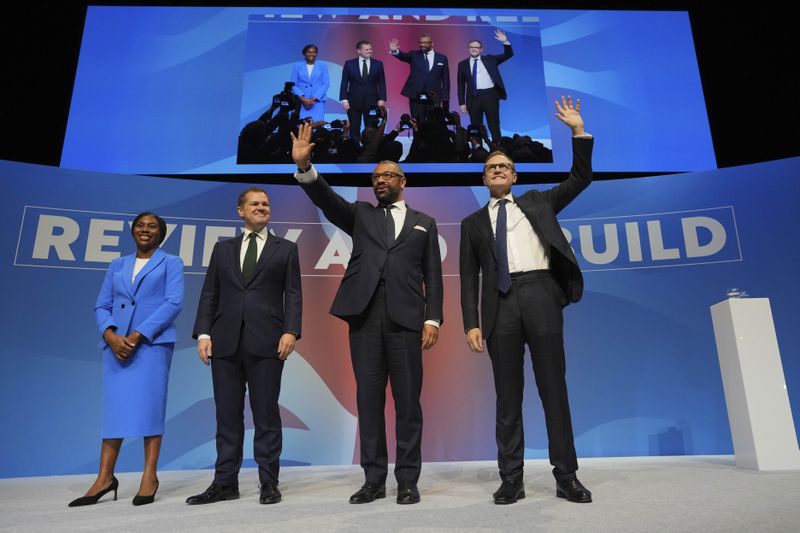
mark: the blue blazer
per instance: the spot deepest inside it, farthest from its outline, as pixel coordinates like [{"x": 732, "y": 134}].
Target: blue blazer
[
  {"x": 149, "y": 305},
  {"x": 314, "y": 87}
]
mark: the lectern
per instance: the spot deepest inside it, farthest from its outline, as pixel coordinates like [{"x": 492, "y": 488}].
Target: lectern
[{"x": 755, "y": 388}]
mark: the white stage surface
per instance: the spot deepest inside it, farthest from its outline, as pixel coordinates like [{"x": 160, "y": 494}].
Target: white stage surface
[{"x": 643, "y": 494}]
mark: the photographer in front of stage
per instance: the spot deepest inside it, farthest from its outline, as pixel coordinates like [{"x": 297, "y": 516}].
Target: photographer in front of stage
[
  {"x": 391, "y": 297},
  {"x": 480, "y": 86},
  {"x": 428, "y": 83},
  {"x": 515, "y": 256},
  {"x": 363, "y": 87},
  {"x": 311, "y": 83},
  {"x": 141, "y": 296}
]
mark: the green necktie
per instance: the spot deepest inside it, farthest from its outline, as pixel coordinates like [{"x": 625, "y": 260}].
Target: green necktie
[{"x": 249, "y": 265}]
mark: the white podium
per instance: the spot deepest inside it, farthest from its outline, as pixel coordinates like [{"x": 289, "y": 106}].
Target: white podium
[{"x": 755, "y": 388}]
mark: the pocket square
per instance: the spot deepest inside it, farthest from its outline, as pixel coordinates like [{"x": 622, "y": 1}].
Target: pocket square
[
  {"x": 440, "y": 64},
  {"x": 420, "y": 228}
]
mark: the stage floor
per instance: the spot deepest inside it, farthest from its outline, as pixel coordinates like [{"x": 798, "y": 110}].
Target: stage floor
[{"x": 641, "y": 494}]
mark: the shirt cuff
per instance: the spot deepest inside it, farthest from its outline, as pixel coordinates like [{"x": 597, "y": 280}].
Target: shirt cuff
[
  {"x": 204, "y": 336},
  {"x": 307, "y": 177},
  {"x": 584, "y": 136},
  {"x": 434, "y": 323}
]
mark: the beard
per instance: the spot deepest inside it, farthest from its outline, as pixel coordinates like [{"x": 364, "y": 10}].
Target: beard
[{"x": 389, "y": 196}]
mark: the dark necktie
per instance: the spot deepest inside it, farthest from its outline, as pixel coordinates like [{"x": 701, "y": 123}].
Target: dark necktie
[
  {"x": 364, "y": 69},
  {"x": 249, "y": 264},
  {"x": 475, "y": 77},
  {"x": 501, "y": 241},
  {"x": 427, "y": 63},
  {"x": 389, "y": 225}
]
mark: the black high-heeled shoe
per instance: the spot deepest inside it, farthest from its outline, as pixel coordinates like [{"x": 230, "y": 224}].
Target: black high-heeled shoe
[
  {"x": 91, "y": 500},
  {"x": 144, "y": 500}
]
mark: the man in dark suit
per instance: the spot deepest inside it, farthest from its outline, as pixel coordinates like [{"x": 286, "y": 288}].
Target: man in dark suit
[
  {"x": 391, "y": 296},
  {"x": 251, "y": 309},
  {"x": 363, "y": 86},
  {"x": 428, "y": 83},
  {"x": 480, "y": 86},
  {"x": 529, "y": 274}
]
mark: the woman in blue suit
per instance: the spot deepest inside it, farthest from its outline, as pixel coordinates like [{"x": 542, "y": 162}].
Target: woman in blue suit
[
  {"x": 136, "y": 309},
  {"x": 311, "y": 83}
]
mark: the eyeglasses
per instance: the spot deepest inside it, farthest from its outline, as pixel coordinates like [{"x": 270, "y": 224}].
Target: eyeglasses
[
  {"x": 498, "y": 166},
  {"x": 385, "y": 175}
]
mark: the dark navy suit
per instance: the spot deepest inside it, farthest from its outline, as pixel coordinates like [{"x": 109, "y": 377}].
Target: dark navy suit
[
  {"x": 387, "y": 293},
  {"x": 245, "y": 321},
  {"x": 361, "y": 92},
  {"x": 434, "y": 81},
  {"x": 487, "y": 101}
]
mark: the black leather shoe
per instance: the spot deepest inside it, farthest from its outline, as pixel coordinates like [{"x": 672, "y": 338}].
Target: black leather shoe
[
  {"x": 573, "y": 490},
  {"x": 269, "y": 493},
  {"x": 509, "y": 492},
  {"x": 144, "y": 500},
  {"x": 407, "y": 493},
  {"x": 91, "y": 500},
  {"x": 214, "y": 493},
  {"x": 368, "y": 493}
]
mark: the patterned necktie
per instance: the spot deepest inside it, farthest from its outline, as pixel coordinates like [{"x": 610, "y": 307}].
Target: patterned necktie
[
  {"x": 475, "y": 77},
  {"x": 364, "y": 69},
  {"x": 389, "y": 225},
  {"x": 249, "y": 264},
  {"x": 501, "y": 242}
]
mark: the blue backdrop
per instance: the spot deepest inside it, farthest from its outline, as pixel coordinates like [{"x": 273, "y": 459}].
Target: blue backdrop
[
  {"x": 642, "y": 363},
  {"x": 167, "y": 89}
]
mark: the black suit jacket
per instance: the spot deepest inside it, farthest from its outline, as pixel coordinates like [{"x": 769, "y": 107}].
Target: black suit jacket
[
  {"x": 413, "y": 264},
  {"x": 268, "y": 306},
  {"x": 420, "y": 79},
  {"x": 361, "y": 93},
  {"x": 490, "y": 62},
  {"x": 478, "y": 252}
]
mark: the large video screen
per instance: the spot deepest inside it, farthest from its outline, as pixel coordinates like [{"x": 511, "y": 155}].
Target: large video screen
[{"x": 202, "y": 90}]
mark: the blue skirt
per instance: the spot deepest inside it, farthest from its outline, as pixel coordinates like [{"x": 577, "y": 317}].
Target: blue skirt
[{"x": 135, "y": 392}]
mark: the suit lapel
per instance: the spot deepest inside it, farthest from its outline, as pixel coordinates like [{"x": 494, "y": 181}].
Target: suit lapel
[
  {"x": 408, "y": 224},
  {"x": 485, "y": 226},
  {"x": 531, "y": 211},
  {"x": 155, "y": 260},
  {"x": 234, "y": 251},
  {"x": 379, "y": 217},
  {"x": 270, "y": 247},
  {"x": 127, "y": 272}
]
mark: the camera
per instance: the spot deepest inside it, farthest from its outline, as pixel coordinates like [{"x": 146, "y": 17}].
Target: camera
[
  {"x": 405, "y": 121},
  {"x": 474, "y": 130},
  {"x": 372, "y": 118},
  {"x": 286, "y": 98},
  {"x": 336, "y": 125}
]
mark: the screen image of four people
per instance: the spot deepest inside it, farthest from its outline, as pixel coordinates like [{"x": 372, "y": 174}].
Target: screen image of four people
[
  {"x": 517, "y": 273},
  {"x": 437, "y": 133}
]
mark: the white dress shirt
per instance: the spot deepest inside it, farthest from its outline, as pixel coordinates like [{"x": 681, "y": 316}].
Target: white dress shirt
[
  {"x": 261, "y": 240},
  {"x": 138, "y": 265},
  {"x": 484, "y": 80},
  {"x": 525, "y": 250}
]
